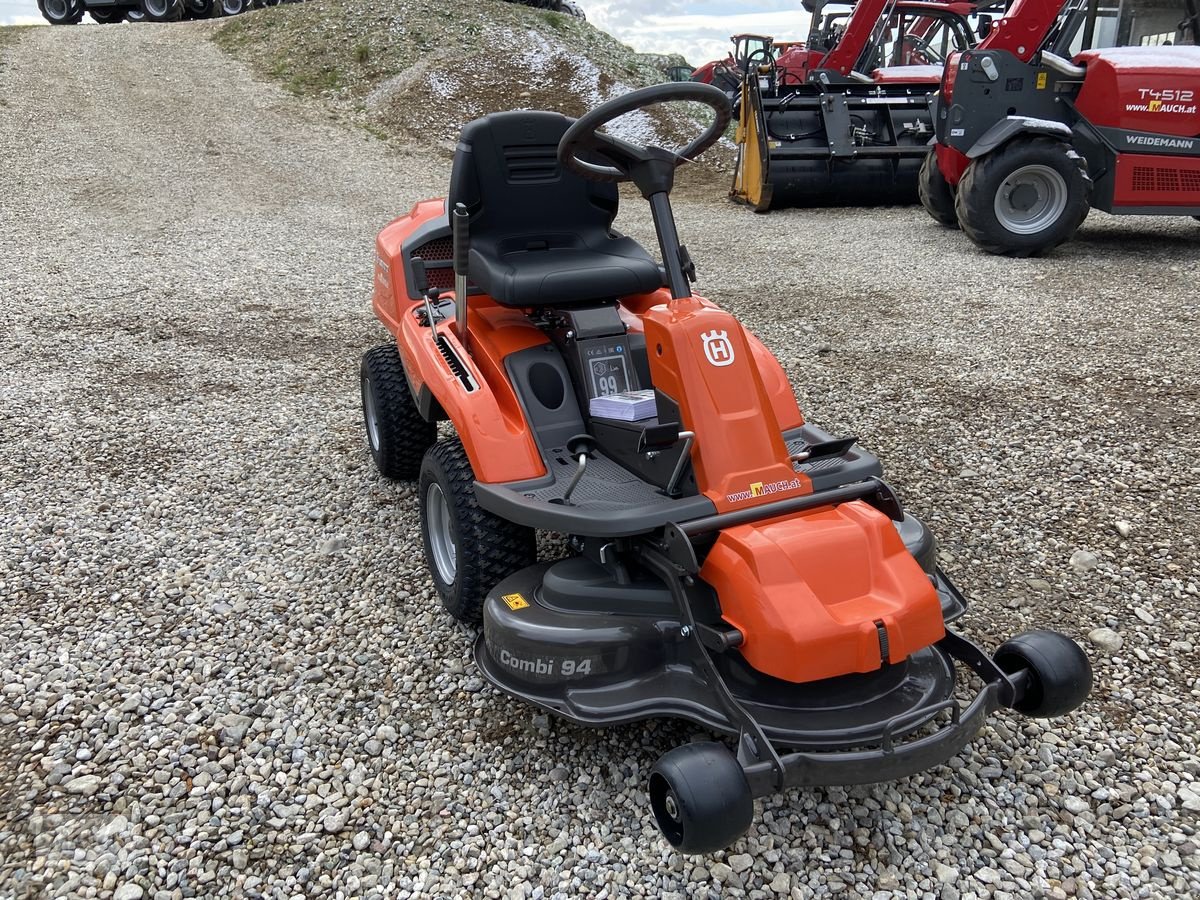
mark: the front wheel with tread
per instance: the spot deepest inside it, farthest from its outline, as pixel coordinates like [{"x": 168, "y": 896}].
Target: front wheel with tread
[
  {"x": 936, "y": 193},
  {"x": 468, "y": 550},
  {"x": 61, "y": 12},
  {"x": 1024, "y": 198},
  {"x": 162, "y": 10},
  {"x": 397, "y": 433}
]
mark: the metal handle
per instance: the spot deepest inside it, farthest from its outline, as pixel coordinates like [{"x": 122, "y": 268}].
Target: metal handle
[
  {"x": 688, "y": 438},
  {"x": 1061, "y": 66},
  {"x": 566, "y": 497},
  {"x": 459, "y": 222}
]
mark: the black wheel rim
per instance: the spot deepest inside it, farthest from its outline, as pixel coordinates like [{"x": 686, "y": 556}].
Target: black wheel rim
[{"x": 667, "y": 812}]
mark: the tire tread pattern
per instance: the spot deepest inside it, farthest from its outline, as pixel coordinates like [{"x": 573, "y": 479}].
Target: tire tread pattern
[
  {"x": 974, "y": 204},
  {"x": 937, "y": 196},
  {"x": 489, "y": 548},
  {"x": 404, "y": 435}
]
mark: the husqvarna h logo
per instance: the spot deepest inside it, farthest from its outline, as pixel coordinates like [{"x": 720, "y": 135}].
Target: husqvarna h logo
[{"x": 717, "y": 348}]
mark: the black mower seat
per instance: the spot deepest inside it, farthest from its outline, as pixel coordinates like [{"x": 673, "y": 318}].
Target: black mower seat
[{"x": 541, "y": 235}]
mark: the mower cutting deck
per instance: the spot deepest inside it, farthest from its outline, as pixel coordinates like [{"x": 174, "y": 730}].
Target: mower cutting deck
[{"x": 731, "y": 563}]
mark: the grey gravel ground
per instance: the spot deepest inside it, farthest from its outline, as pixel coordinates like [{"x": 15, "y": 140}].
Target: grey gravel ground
[{"x": 224, "y": 668}]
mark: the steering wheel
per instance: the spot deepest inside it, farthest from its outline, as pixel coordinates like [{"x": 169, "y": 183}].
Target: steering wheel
[
  {"x": 918, "y": 48},
  {"x": 585, "y": 135}
]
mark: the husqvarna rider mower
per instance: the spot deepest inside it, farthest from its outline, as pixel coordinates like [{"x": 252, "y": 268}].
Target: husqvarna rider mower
[{"x": 733, "y": 565}]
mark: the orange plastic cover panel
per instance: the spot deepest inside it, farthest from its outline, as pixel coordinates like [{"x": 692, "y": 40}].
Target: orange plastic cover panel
[
  {"x": 702, "y": 358},
  {"x": 775, "y": 380},
  {"x": 391, "y": 294},
  {"x": 806, "y": 592}
]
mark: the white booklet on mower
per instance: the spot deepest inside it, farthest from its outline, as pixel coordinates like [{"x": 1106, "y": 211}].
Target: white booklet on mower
[{"x": 628, "y": 406}]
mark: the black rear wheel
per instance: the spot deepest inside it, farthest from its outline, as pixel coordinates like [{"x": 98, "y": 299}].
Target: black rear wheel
[
  {"x": 200, "y": 9},
  {"x": 108, "y": 15},
  {"x": 397, "y": 433},
  {"x": 162, "y": 10},
  {"x": 234, "y": 7},
  {"x": 468, "y": 550},
  {"x": 937, "y": 195},
  {"x": 700, "y": 797},
  {"x": 1024, "y": 198},
  {"x": 61, "y": 12}
]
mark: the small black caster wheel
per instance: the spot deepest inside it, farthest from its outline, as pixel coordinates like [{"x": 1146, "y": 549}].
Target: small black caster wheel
[
  {"x": 700, "y": 797},
  {"x": 1058, "y": 673}
]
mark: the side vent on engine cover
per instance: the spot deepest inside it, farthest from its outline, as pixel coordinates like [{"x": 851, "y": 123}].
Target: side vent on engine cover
[
  {"x": 461, "y": 372},
  {"x": 1161, "y": 179}
]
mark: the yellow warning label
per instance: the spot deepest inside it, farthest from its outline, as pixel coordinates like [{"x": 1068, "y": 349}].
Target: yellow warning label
[
  {"x": 515, "y": 601},
  {"x": 1041, "y": 81}
]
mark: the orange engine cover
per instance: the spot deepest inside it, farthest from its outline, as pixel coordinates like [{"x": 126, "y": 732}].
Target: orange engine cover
[{"x": 807, "y": 591}]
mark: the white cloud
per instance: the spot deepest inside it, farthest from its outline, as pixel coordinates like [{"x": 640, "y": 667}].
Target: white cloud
[{"x": 700, "y": 30}]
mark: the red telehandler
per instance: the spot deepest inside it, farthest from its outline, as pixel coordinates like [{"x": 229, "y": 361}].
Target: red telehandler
[
  {"x": 845, "y": 117},
  {"x": 1064, "y": 109}
]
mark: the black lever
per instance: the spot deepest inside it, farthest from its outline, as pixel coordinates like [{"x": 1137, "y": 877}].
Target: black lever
[
  {"x": 459, "y": 222},
  {"x": 420, "y": 276},
  {"x": 581, "y": 446}
]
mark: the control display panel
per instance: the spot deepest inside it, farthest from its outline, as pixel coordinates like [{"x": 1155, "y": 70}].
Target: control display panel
[{"x": 607, "y": 367}]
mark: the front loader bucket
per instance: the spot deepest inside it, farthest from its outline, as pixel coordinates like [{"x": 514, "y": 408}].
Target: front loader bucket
[{"x": 831, "y": 145}]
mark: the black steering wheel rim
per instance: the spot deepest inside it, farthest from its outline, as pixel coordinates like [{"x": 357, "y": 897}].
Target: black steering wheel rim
[{"x": 582, "y": 135}]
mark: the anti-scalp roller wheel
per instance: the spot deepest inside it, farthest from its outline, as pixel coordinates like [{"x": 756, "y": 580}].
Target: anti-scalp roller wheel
[
  {"x": 700, "y": 797},
  {"x": 1058, "y": 673}
]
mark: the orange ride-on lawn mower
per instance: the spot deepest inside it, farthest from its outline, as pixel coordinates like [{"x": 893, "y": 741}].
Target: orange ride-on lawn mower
[{"x": 731, "y": 564}]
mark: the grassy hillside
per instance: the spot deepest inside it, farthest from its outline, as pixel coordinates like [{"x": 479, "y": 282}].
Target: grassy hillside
[{"x": 417, "y": 70}]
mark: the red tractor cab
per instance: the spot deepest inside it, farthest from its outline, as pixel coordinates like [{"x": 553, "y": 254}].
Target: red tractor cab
[{"x": 1046, "y": 120}]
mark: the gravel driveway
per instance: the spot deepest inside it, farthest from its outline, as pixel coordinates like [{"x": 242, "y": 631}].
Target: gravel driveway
[{"x": 224, "y": 668}]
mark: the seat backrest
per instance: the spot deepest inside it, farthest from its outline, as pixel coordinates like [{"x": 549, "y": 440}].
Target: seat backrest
[{"x": 506, "y": 172}]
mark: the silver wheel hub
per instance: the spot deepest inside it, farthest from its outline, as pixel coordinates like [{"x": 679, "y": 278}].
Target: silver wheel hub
[
  {"x": 1031, "y": 199},
  {"x": 441, "y": 536},
  {"x": 370, "y": 414},
  {"x": 156, "y": 7},
  {"x": 58, "y": 9},
  {"x": 671, "y": 805}
]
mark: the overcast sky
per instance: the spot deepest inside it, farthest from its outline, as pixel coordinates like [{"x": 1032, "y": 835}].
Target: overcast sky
[{"x": 699, "y": 29}]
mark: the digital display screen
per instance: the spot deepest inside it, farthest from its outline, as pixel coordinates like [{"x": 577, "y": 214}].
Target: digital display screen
[{"x": 608, "y": 368}]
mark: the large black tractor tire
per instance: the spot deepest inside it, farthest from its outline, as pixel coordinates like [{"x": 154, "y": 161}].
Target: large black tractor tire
[
  {"x": 700, "y": 798},
  {"x": 397, "y": 433},
  {"x": 1058, "y": 673},
  {"x": 468, "y": 550},
  {"x": 200, "y": 9},
  {"x": 1024, "y": 198},
  {"x": 234, "y": 7},
  {"x": 936, "y": 193},
  {"x": 108, "y": 15},
  {"x": 61, "y": 12},
  {"x": 162, "y": 10}
]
